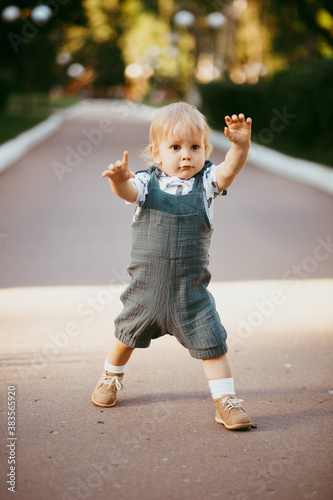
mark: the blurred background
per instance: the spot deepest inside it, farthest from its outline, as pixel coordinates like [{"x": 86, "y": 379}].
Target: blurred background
[{"x": 265, "y": 58}]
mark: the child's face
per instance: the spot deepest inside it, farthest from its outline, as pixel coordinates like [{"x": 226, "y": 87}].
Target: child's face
[{"x": 181, "y": 154}]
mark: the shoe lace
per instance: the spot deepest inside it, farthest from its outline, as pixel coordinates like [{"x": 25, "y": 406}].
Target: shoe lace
[
  {"x": 112, "y": 380},
  {"x": 230, "y": 403}
]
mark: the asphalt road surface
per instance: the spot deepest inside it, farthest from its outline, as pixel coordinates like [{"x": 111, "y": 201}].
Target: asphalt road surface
[
  {"x": 63, "y": 225},
  {"x": 64, "y": 249}
]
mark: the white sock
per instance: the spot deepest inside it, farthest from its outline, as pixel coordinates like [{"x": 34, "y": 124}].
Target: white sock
[
  {"x": 221, "y": 387},
  {"x": 113, "y": 368}
]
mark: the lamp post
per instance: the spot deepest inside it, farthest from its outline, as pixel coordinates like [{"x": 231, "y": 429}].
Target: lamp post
[
  {"x": 21, "y": 40},
  {"x": 40, "y": 15},
  {"x": 209, "y": 62},
  {"x": 216, "y": 21},
  {"x": 183, "y": 20}
]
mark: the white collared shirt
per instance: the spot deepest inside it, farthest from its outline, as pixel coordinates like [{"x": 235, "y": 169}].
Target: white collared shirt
[{"x": 176, "y": 186}]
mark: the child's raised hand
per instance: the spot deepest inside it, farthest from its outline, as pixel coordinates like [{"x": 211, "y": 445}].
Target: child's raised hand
[
  {"x": 119, "y": 172},
  {"x": 238, "y": 130}
]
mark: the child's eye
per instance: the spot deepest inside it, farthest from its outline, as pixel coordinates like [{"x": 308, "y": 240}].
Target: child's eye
[
  {"x": 175, "y": 147},
  {"x": 195, "y": 147}
]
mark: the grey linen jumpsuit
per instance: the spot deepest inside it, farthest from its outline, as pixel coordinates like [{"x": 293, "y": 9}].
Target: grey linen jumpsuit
[{"x": 168, "y": 290}]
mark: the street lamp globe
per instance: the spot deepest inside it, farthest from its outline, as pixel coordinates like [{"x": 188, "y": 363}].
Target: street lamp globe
[
  {"x": 63, "y": 58},
  {"x": 216, "y": 20},
  {"x": 75, "y": 70},
  {"x": 184, "y": 19},
  {"x": 41, "y": 14},
  {"x": 134, "y": 70},
  {"x": 10, "y": 13}
]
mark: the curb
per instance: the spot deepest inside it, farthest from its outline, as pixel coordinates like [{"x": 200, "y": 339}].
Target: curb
[
  {"x": 15, "y": 149},
  {"x": 310, "y": 173},
  {"x": 306, "y": 172}
]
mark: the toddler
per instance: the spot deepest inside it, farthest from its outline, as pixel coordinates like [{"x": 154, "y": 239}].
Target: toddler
[{"x": 171, "y": 233}]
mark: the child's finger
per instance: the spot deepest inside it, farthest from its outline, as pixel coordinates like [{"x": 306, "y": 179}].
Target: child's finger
[
  {"x": 110, "y": 170},
  {"x": 249, "y": 120},
  {"x": 227, "y": 119},
  {"x": 125, "y": 159},
  {"x": 226, "y": 132},
  {"x": 241, "y": 117}
]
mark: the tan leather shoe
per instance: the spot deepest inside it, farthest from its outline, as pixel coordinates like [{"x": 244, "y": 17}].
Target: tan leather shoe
[
  {"x": 105, "y": 393},
  {"x": 231, "y": 414}
]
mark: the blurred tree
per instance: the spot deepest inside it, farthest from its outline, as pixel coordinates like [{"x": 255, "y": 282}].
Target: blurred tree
[
  {"x": 97, "y": 46},
  {"x": 254, "y": 56},
  {"x": 302, "y": 29},
  {"x": 273, "y": 35},
  {"x": 28, "y": 44},
  {"x": 179, "y": 46},
  {"x": 197, "y": 7}
]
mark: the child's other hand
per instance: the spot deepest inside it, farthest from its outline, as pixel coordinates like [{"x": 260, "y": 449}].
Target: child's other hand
[
  {"x": 119, "y": 172},
  {"x": 238, "y": 130}
]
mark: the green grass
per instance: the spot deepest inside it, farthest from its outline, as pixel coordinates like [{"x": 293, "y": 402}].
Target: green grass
[
  {"x": 64, "y": 101},
  {"x": 314, "y": 154},
  {"x": 309, "y": 152},
  {"x": 22, "y": 114},
  {"x": 11, "y": 126}
]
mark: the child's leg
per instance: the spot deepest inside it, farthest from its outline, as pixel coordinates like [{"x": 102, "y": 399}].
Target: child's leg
[
  {"x": 229, "y": 410},
  {"x": 105, "y": 393},
  {"x": 216, "y": 368},
  {"x": 119, "y": 353},
  {"x": 219, "y": 376}
]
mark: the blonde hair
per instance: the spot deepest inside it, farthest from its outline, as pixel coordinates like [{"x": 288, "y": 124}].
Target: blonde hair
[{"x": 169, "y": 119}]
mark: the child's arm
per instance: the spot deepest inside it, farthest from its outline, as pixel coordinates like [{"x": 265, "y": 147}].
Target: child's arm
[
  {"x": 238, "y": 131},
  {"x": 119, "y": 176}
]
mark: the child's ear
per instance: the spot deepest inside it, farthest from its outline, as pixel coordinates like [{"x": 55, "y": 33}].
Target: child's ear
[{"x": 154, "y": 154}]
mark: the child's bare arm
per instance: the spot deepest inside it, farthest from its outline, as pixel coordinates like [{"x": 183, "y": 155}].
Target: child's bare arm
[
  {"x": 238, "y": 131},
  {"x": 119, "y": 176}
]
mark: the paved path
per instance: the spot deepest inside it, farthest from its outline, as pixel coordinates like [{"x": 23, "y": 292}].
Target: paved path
[
  {"x": 75, "y": 232},
  {"x": 64, "y": 250}
]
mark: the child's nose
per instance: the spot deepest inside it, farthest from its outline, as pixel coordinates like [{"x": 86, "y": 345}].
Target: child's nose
[{"x": 186, "y": 155}]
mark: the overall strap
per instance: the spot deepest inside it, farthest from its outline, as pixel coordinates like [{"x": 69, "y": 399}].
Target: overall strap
[
  {"x": 154, "y": 173},
  {"x": 198, "y": 183},
  {"x": 207, "y": 164}
]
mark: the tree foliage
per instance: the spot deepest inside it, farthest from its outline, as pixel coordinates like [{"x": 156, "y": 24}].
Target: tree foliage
[
  {"x": 28, "y": 48},
  {"x": 302, "y": 29}
]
